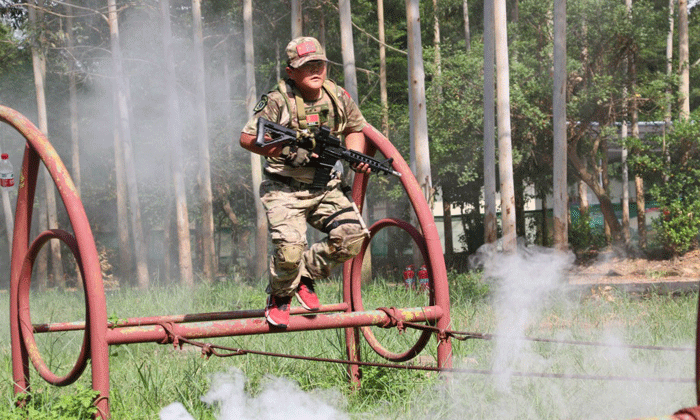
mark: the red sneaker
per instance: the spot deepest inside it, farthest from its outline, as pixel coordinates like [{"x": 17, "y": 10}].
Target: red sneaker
[
  {"x": 277, "y": 310},
  {"x": 307, "y": 296}
]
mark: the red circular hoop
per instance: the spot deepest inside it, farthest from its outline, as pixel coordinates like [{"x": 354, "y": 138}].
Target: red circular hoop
[
  {"x": 25, "y": 316},
  {"x": 357, "y": 293}
]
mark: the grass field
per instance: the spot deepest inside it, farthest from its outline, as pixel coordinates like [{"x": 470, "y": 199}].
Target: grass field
[{"x": 147, "y": 378}]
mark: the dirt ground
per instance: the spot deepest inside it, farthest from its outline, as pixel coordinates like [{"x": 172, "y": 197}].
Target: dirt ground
[{"x": 614, "y": 269}]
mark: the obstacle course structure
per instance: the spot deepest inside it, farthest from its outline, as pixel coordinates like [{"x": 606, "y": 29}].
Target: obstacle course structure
[{"x": 99, "y": 334}]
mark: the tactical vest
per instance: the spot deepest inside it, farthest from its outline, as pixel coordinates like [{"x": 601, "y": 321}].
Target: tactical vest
[{"x": 296, "y": 106}]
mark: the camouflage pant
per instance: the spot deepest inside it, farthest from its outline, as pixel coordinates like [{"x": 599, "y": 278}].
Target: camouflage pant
[{"x": 288, "y": 211}]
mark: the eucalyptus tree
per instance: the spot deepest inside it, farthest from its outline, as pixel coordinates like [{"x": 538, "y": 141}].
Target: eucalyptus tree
[
  {"x": 561, "y": 201},
  {"x": 683, "y": 58},
  {"x": 505, "y": 156},
  {"x": 127, "y": 149},
  {"x": 36, "y": 19},
  {"x": 297, "y": 18},
  {"x": 73, "y": 97},
  {"x": 382, "y": 69},
  {"x": 490, "y": 223},
  {"x": 255, "y": 164},
  {"x": 209, "y": 264},
  {"x": 174, "y": 130}
]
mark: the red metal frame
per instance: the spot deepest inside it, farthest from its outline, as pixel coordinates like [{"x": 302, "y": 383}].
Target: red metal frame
[{"x": 99, "y": 334}]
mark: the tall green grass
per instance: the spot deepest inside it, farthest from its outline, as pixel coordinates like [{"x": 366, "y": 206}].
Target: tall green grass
[{"x": 147, "y": 377}]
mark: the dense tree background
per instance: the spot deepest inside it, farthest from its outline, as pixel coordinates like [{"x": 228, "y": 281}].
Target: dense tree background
[{"x": 599, "y": 37}]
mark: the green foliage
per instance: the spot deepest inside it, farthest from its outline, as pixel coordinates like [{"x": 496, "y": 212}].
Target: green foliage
[
  {"x": 75, "y": 406},
  {"x": 147, "y": 377},
  {"x": 679, "y": 225},
  {"x": 677, "y": 189},
  {"x": 601, "y": 35},
  {"x": 467, "y": 287},
  {"x": 583, "y": 237}
]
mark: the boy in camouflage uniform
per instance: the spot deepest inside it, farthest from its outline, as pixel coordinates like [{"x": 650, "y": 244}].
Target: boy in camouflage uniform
[{"x": 305, "y": 101}]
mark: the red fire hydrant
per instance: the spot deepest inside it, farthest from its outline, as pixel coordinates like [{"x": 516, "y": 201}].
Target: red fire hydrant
[
  {"x": 409, "y": 275},
  {"x": 423, "y": 278}
]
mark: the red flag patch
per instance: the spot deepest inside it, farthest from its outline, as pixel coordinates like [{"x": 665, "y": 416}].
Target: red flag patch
[
  {"x": 313, "y": 120},
  {"x": 307, "y": 47}
]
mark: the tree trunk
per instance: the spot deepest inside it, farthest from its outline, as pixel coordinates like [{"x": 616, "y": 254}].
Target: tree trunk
[
  {"x": 350, "y": 76},
  {"x": 683, "y": 59},
  {"x": 42, "y": 264},
  {"x": 322, "y": 27},
  {"x": 447, "y": 215},
  {"x": 669, "y": 73},
  {"x": 176, "y": 165},
  {"x": 383, "y": 95},
  {"x": 490, "y": 221},
  {"x": 599, "y": 190},
  {"x": 437, "y": 61},
  {"x": 583, "y": 196},
  {"x": 605, "y": 183},
  {"x": 561, "y": 196},
  {"x": 624, "y": 134},
  {"x": 505, "y": 154},
  {"x": 519, "y": 194},
  {"x": 256, "y": 167},
  {"x": 73, "y": 106},
  {"x": 348, "y": 49},
  {"x": 641, "y": 212},
  {"x": 127, "y": 149},
  {"x": 544, "y": 231},
  {"x": 209, "y": 266},
  {"x": 625, "y": 200},
  {"x": 297, "y": 19},
  {"x": 638, "y": 181},
  {"x": 467, "y": 32},
  {"x": 73, "y": 102},
  {"x": 125, "y": 251},
  {"x": 39, "y": 66},
  {"x": 418, "y": 116}
]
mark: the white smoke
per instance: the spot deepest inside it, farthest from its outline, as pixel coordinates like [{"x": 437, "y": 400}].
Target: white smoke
[
  {"x": 527, "y": 284},
  {"x": 525, "y": 281},
  {"x": 280, "y": 398}
]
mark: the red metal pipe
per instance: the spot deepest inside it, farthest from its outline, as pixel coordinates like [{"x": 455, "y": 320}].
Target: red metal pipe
[
  {"x": 159, "y": 333},
  {"x": 176, "y": 319},
  {"x": 25, "y": 317},
  {"x": 38, "y": 149},
  {"x": 436, "y": 259},
  {"x": 357, "y": 305}
]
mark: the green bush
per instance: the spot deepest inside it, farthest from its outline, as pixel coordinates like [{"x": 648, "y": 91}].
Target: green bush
[
  {"x": 75, "y": 406},
  {"x": 583, "y": 237},
  {"x": 678, "y": 192},
  {"x": 467, "y": 287}
]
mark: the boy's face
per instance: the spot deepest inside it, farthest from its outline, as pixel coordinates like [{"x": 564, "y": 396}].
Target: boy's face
[{"x": 309, "y": 76}]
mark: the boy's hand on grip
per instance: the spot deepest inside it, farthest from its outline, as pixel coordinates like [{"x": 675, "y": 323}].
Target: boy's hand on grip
[{"x": 295, "y": 156}]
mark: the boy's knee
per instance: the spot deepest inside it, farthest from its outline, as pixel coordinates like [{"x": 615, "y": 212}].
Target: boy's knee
[
  {"x": 288, "y": 256},
  {"x": 350, "y": 243}
]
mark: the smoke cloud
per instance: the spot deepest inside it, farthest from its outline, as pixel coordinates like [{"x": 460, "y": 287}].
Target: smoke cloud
[{"x": 280, "y": 398}]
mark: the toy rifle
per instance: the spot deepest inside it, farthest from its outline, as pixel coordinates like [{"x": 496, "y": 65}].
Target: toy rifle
[{"x": 328, "y": 148}]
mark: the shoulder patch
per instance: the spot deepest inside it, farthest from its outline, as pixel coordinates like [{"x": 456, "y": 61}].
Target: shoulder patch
[{"x": 262, "y": 103}]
